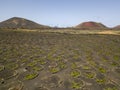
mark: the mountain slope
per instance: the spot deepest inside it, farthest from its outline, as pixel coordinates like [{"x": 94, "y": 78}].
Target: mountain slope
[
  {"x": 91, "y": 25},
  {"x": 17, "y": 22},
  {"x": 117, "y": 27}
]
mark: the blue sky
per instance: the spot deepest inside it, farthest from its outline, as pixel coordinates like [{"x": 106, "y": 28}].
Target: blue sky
[{"x": 62, "y": 13}]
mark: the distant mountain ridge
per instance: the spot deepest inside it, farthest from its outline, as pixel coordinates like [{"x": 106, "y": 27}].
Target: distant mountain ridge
[
  {"x": 17, "y": 22},
  {"x": 22, "y": 23},
  {"x": 91, "y": 25}
]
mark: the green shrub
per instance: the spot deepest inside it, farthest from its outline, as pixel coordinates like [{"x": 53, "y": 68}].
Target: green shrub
[
  {"x": 86, "y": 67},
  {"x": 77, "y": 85},
  {"x": 116, "y": 58},
  {"x": 32, "y": 64},
  {"x": 114, "y": 64},
  {"x": 12, "y": 66},
  {"x": 102, "y": 70},
  {"x": 54, "y": 70},
  {"x": 75, "y": 74},
  {"x": 101, "y": 81},
  {"x": 62, "y": 65},
  {"x": 30, "y": 76},
  {"x": 90, "y": 75},
  {"x": 73, "y": 66},
  {"x": 35, "y": 68},
  {"x": 42, "y": 62},
  {"x": 111, "y": 88},
  {"x": 1, "y": 68}
]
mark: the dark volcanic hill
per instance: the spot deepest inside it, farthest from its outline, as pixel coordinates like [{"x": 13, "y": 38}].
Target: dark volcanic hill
[
  {"x": 22, "y": 23},
  {"x": 91, "y": 25}
]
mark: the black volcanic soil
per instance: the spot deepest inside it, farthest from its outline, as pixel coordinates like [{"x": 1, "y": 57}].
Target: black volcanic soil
[{"x": 54, "y": 61}]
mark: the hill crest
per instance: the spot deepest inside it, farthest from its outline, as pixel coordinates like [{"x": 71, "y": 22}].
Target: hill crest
[
  {"x": 117, "y": 27},
  {"x": 91, "y": 25},
  {"x": 17, "y": 22}
]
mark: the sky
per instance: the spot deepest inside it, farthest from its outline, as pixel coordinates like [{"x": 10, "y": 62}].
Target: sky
[{"x": 62, "y": 13}]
